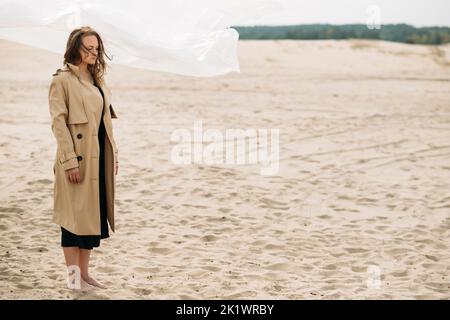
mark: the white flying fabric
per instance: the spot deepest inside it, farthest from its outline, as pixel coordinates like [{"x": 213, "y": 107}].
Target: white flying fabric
[{"x": 188, "y": 37}]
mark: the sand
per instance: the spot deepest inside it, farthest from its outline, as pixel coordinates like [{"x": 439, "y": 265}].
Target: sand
[{"x": 359, "y": 209}]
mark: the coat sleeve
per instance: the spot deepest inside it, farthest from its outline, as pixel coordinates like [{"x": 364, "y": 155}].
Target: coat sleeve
[{"x": 59, "y": 114}]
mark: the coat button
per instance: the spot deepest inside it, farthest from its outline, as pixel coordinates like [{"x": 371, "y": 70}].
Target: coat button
[
  {"x": 79, "y": 136},
  {"x": 80, "y": 158}
]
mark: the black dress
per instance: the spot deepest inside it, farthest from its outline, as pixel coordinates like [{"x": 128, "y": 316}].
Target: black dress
[{"x": 69, "y": 239}]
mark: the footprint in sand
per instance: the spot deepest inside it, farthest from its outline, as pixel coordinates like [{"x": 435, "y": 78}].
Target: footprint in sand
[
  {"x": 159, "y": 250},
  {"x": 273, "y": 204}
]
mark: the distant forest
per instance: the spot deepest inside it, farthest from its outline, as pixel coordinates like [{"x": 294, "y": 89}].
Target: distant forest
[{"x": 389, "y": 32}]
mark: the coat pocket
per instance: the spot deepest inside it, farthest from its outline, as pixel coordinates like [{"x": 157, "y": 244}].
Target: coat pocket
[{"x": 82, "y": 166}]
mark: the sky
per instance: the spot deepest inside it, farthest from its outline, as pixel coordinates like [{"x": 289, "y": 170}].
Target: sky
[{"x": 415, "y": 12}]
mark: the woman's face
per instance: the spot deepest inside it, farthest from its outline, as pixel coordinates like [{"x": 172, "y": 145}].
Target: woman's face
[{"x": 89, "y": 53}]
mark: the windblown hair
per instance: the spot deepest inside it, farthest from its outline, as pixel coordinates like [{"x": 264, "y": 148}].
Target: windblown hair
[{"x": 72, "y": 54}]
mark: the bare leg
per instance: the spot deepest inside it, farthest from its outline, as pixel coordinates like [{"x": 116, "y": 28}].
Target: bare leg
[
  {"x": 84, "y": 268},
  {"x": 71, "y": 255}
]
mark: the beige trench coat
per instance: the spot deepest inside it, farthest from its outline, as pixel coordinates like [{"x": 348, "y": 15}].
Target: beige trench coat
[{"x": 77, "y": 206}]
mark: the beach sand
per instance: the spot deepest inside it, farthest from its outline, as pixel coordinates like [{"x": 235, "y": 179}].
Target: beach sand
[{"x": 359, "y": 209}]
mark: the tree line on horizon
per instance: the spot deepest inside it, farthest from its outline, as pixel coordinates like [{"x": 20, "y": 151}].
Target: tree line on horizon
[{"x": 390, "y": 32}]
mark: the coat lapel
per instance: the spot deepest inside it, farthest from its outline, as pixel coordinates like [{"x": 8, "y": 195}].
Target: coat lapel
[
  {"x": 107, "y": 98},
  {"x": 108, "y": 110}
]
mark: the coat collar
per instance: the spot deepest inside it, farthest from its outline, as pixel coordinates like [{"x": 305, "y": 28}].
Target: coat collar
[
  {"x": 75, "y": 69},
  {"x": 107, "y": 97}
]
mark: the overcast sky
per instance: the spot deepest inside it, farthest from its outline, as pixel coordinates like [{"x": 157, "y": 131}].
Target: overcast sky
[{"x": 416, "y": 12}]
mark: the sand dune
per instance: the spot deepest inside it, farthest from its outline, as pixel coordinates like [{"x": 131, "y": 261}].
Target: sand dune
[{"x": 363, "y": 179}]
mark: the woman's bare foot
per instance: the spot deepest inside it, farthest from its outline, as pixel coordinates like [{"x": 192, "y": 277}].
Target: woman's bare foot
[
  {"x": 87, "y": 286},
  {"x": 93, "y": 282}
]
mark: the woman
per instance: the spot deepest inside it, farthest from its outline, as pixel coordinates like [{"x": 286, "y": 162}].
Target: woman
[{"x": 86, "y": 158}]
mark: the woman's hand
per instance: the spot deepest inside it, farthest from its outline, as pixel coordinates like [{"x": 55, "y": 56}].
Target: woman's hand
[{"x": 73, "y": 175}]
